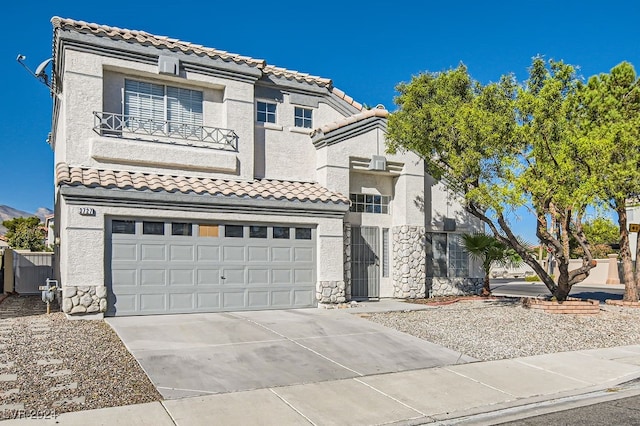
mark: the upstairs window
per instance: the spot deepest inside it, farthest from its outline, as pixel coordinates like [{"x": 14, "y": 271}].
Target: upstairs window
[
  {"x": 302, "y": 118},
  {"x": 163, "y": 109},
  {"x": 266, "y": 112},
  {"x": 368, "y": 203}
]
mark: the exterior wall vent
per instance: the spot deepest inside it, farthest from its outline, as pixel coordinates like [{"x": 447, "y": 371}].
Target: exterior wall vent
[
  {"x": 449, "y": 224},
  {"x": 378, "y": 162},
  {"x": 168, "y": 65}
]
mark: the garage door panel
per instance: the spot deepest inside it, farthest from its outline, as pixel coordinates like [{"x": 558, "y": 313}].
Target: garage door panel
[
  {"x": 303, "y": 297},
  {"x": 181, "y": 302},
  {"x": 181, "y": 253},
  {"x": 258, "y": 254},
  {"x": 153, "y": 252},
  {"x": 258, "y": 299},
  {"x": 207, "y": 277},
  {"x": 125, "y": 303},
  {"x": 181, "y": 277},
  {"x": 233, "y": 276},
  {"x": 153, "y": 277},
  {"x": 233, "y": 254},
  {"x": 208, "y": 301},
  {"x": 303, "y": 254},
  {"x": 120, "y": 277},
  {"x": 154, "y": 302},
  {"x": 281, "y": 298},
  {"x": 280, "y": 276},
  {"x": 233, "y": 299},
  {"x": 124, "y": 251},
  {"x": 281, "y": 254},
  {"x": 208, "y": 253},
  {"x": 258, "y": 276},
  {"x": 152, "y": 274},
  {"x": 303, "y": 276}
]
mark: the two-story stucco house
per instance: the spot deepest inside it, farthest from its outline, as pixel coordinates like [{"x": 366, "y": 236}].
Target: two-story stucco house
[{"x": 190, "y": 179}]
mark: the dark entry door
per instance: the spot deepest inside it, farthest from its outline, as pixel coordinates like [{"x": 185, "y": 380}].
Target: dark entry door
[{"x": 365, "y": 262}]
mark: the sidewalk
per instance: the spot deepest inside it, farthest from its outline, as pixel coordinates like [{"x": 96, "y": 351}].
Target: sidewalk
[{"x": 475, "y": 393}]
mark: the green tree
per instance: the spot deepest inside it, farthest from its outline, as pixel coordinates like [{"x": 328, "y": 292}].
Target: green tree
[
  {"x": 602, "y": 233},
  {"x": 488, "y": 250},
  {"x": 25, "y": 233},
  {"x": 502, "y": 146},
  {"x": 610, "y": 146}
]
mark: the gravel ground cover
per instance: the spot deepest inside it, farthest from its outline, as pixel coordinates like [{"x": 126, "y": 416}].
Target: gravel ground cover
[
  {"x": 503, "y": 328},
  {"x": 50, "y": 365}
]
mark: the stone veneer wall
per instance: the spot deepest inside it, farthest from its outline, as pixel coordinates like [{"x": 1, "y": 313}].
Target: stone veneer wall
[
  {"x": 331, "y": 292},
  {"x": 454, "y": 286},
  {"x": 347, "y": 260},
  {"x": 84, "y": 299},
  {"x": 408, "y": 261}
]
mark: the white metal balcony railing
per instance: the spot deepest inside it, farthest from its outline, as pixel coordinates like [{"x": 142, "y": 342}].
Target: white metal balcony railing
[{"x": 110, "y": 124}]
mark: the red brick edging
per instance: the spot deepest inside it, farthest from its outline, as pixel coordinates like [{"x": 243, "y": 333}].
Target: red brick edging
[
  {"x": 569, "y": 306},
  {"x": 624, "y": 303}
]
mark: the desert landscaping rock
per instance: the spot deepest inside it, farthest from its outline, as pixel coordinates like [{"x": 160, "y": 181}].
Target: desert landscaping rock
[
  {"x": 96, "y": 370},
  {"x": 499, "y": 329}
]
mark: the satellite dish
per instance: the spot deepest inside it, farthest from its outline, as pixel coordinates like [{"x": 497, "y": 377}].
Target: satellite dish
[{"x": 40, "y": 73}]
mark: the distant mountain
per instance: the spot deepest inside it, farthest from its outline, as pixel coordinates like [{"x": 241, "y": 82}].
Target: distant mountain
[{"x": 8, "y": 213}]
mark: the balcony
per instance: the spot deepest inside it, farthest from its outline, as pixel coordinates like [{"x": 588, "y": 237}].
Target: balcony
[{"x": 164, "y": 131}]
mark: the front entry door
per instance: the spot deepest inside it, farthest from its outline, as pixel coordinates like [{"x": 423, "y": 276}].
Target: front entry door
[{"x": 365, "y": 262}]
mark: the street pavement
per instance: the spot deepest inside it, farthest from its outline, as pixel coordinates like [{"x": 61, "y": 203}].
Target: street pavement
[{"x": 520, "y": 288}]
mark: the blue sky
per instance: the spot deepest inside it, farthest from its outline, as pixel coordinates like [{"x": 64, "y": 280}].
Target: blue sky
[{"x": 365, "y": 47}]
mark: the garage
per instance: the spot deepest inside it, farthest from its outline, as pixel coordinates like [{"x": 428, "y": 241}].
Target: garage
[{"x": 174, "y": 266}]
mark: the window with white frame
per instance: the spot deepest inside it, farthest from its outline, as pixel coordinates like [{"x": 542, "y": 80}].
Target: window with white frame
[
  {"x": 302, "y": 118},
  {"x": 266, "y": 112},
  {"x": 369, "y": 203},
  {"x": 446, "y": 256},
  {"x": 157, "y": 108}
]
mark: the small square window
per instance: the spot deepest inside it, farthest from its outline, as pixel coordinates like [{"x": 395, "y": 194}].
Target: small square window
[
  {"x": 303, "y": 233},
  {"x": 153, "y": 228},
  {"x": 181, "y": 229},
  {"x": 302, "y": 118},
  {"x": 266, "y": 112},
  {"x": 123, "y": 227},
  {"x": 257, "y": 232},
  {"x": 208, "y": 230},
  {"x": 369, "y": 203},
  {"x": 234, "y": 231},
  {"x": 280, "y": 233}
]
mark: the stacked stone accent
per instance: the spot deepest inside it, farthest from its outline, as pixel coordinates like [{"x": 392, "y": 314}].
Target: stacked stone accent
[
  {"x": 347, "y": 260},
  {"x": 454, "y": 286},
  {"x": 331, "y": 292},
  {"x": 409, "y": 260},
  {"x": 84, "y": 299}
]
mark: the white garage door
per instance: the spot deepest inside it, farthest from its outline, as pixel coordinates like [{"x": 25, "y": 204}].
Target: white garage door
[{"x": 160, "y": 267}]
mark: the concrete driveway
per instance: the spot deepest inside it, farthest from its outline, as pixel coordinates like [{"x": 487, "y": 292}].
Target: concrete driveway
[{"x": 200, "y": 354}]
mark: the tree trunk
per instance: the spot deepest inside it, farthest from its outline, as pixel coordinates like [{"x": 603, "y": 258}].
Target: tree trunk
[
  {"x": 564, "y": 287},
  {"x": 486, "y": 287},
  {"x": 630, "y": 289}
]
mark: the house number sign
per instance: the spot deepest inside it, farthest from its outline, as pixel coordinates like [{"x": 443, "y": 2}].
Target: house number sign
[{"x": 87, "y": 211}]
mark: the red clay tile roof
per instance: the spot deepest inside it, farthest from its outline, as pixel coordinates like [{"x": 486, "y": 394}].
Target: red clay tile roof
[
  {"x": 267, "y": 189},
  {"x": 378, "y": 111}
]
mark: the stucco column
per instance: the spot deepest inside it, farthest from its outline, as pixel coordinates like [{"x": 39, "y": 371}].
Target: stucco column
[{"x": 613, "y": 277}]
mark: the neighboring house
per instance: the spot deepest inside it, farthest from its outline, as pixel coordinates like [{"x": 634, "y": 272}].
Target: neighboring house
[
  {"x": 189, "y": 179},
  {"x": 3, "y": 241}
]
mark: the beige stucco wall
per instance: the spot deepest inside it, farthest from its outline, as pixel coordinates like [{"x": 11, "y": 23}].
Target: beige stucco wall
[
  {"x": 288, "y": 151},
  {"x": 89, "y": 77}
]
